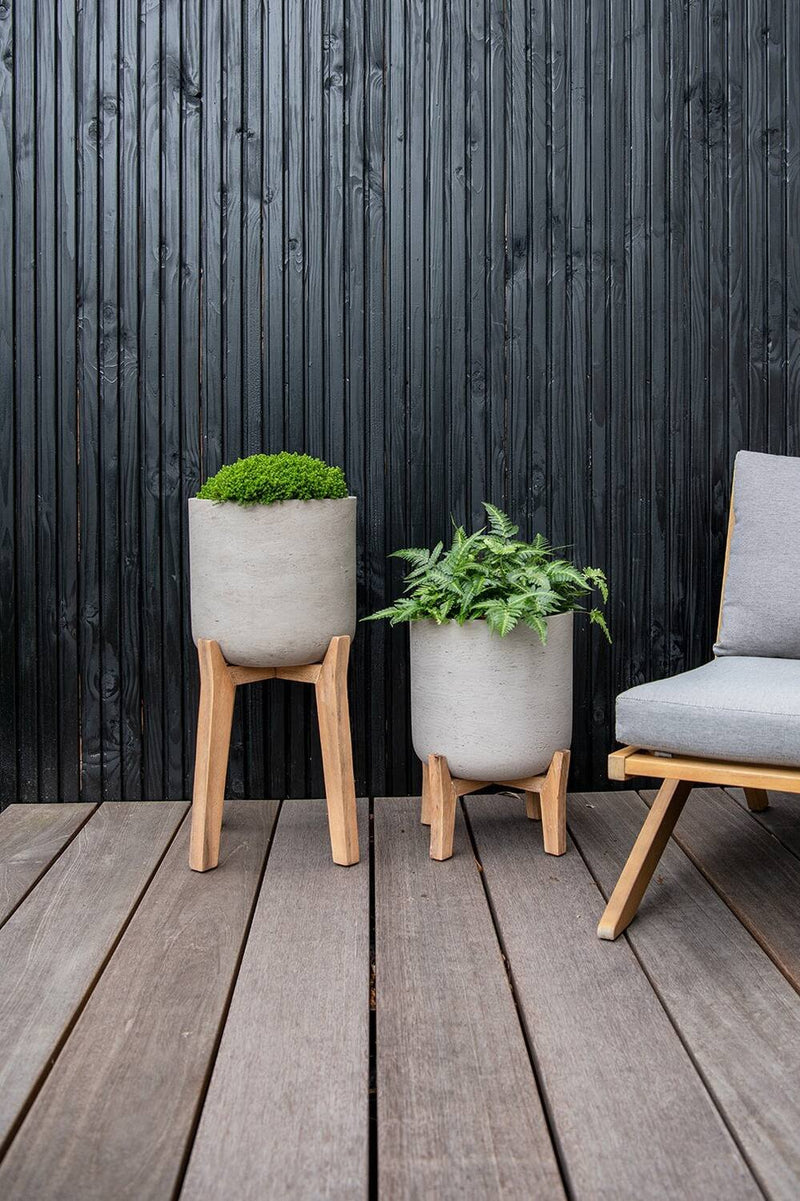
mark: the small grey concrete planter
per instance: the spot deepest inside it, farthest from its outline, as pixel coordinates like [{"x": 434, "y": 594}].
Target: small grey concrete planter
[
  {"x": 496, "y": 708},
  {"x": 272, "y": 584}
]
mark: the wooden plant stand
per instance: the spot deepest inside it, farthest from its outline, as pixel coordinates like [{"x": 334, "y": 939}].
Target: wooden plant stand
[
  {"x": 218, "y": 683},
  {"x": 545, "y": 799}
]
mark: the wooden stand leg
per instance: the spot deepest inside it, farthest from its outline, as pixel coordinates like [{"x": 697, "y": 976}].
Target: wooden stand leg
[
  {"x": 337, "y": 752},
  {"x": 427, "y": 809},
  {"x": 757, "y": 799},
  {"x": 533, "y": 809},
  {"x": 442, "y": 807},
  {"x": 647, "y": 850},
  {"x": 553, "y": 799},
  {"x": 217, "y": 692}
]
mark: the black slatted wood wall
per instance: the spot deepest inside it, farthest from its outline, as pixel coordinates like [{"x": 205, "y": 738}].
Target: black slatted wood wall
[{"x": 543, "y": 252}]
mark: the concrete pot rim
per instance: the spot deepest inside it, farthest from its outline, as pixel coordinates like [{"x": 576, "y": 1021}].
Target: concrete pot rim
[
  {"x": 260, "y": 506},
  {"x": 481, "y": 621}
]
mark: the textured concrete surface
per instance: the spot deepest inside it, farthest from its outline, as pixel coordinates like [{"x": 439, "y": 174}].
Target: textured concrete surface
[
  {"x": 272, "y": 584},
  {"x": 496, "y": 708}
]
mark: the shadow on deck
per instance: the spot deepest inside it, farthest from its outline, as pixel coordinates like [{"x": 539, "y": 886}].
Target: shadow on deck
[{"x": 282, "y": 1028}]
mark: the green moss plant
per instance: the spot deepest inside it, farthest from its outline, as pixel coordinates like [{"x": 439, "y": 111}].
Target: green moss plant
[
  {"x": 267, "y": 479},
  {"x": 492, "y": 576}
]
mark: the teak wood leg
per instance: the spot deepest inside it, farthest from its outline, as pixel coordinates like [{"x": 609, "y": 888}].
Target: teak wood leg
[
  {"x": 757, "y": 799},
  {"x": 217, "y": 692},
  {"x": 545, "y": 798},
  {"x": 337, "y": 752},
  {"x": 442, "y": 803},
  {"x": 553, "y": 801},
  {"x": 642, "y": 861},
  {"x": 426, "y": 809},
  {"x": 533, "y": 809},
  {"x": 218, "y": 681}
]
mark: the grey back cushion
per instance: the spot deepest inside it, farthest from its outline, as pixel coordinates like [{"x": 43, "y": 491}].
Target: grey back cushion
[{"x": 761, "y": 601}]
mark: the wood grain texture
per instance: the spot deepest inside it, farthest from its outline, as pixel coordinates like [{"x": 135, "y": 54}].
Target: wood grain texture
[
  {"x": 425, "y": 241},
  {"x": 31, "y": 837},
  {"x": 286, "y": 1110},
  {"x": 738, "y": 1016},
  {"x": 442, "y": 803},
  {"x": 757, "y": 799},
  {"x": 621, "y": 1089},
  {"x": 751, "y": 870},
  {"x": 553, "y": 804},
  {"x": 333, "y": 715},
  {"x": 109, "y": 1120},
  {"x": 459, "y": 1114},
  {"x": 781, "y": 818},
  {"x": 632, "y": 762},
  {"x": 643, "y": 858},
  {"x": 217, "y": 696},
  {"x": 55, "y": 944}
]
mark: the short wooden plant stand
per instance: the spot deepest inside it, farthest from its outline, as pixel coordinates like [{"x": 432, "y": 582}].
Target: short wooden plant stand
[
  {"x": 218, "y": 683},
  {"x": 545, "y": 799}
]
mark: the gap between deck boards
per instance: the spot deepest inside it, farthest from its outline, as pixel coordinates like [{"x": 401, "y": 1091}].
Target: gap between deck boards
[{"x": 455, "y": 1045}]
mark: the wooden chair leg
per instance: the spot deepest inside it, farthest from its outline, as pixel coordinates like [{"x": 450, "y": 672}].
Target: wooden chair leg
[
  {"x": 442, "y": 807},
  {"x": 553, "y": 800},
  {"x": 533, "y": 809},
  {"x": 337, "y": 751},
  {"x": 426, "y": 811},
  {"x": 217, "y": 693},
  {"x": 757, "y": 799},
  {"x": 647, "y": 850}
]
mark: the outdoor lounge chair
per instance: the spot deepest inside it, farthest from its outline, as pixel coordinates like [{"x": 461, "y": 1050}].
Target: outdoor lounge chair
[{"x": 736, "y": 720}]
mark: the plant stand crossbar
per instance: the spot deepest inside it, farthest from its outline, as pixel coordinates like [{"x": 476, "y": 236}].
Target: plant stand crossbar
[
  {"x": 218, "y": 683},
  {"x": 545, "y": 799}
]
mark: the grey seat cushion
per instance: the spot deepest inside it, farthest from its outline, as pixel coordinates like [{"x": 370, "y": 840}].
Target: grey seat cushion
[
  {"x": 761, "y": 604},
  {"x": 741, "y": 708}
]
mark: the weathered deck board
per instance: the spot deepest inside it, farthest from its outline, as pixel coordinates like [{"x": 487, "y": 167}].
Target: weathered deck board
[
  {"x": 116, "y": 973},
  {"x": 108, "y": 1102},
  {"x": 31, "y": 837},
  {"x": 459, "y": 1114},
  {"x": 55, "y": 944},
  {"x": 287, "y": 1106},
  {"x": 737, "y": 1014},
  {"x": 782, "y": 818},
  {"x": 751, "y": 870},
  {"x": 632, "y": 1116}
]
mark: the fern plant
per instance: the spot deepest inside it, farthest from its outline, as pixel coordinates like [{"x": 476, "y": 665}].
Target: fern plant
[{"x": 492, "y": 576}]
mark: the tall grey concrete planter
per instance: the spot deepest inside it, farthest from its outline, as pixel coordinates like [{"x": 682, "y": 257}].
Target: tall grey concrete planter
[
  {"x": 496, "y": 708},
  {"x": 272, "y": 584}
]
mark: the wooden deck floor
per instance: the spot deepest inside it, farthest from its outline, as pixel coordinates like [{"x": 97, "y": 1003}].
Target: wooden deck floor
[{"x": 282, "y": 1028}]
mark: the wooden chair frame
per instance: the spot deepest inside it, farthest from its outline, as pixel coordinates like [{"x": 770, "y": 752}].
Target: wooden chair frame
[
  {"x": 218, "y": 683},
  {"x": 545, "y": 800},
  {"x": 679, "y": 774}
]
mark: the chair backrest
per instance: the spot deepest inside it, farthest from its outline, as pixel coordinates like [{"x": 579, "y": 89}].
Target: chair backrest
[{"x": 760, "y": 610}]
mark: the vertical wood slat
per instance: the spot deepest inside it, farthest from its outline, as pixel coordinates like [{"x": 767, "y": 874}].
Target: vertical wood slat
[
  {"x": 9, "y": 598},
  {"x": 536, "y": 254}
]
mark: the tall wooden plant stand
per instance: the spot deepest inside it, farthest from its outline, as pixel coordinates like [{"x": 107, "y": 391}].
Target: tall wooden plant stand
[
  {"x": 545, "y": 799},
  {"x": 218, "y": 683}
]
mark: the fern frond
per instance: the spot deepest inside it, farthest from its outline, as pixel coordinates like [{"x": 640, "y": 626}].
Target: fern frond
[
  {"x": 598, "y": 578},
  {"x": 598, "y": 619},
  {"x": 501, "y": 618},
  {"x": 382, "y": 614},
  {"x": 499, "y": 522},
  {"x": 412, "y": 554},
  {"x": 490, "y": 575},
  {"x": 538, "y": 624}
]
